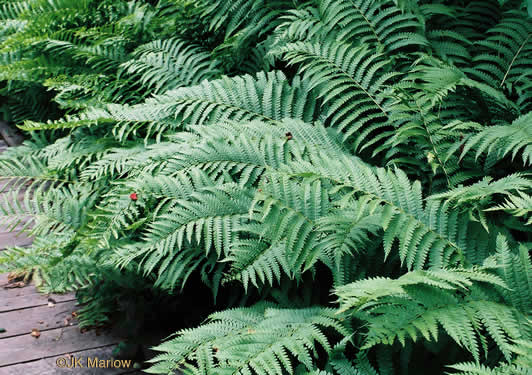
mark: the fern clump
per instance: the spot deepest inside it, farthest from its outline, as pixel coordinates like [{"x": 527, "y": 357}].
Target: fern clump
[{"x": 349, "y": 179}]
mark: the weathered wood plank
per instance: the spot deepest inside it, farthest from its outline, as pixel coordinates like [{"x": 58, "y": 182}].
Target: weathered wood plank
[
  {"x": 11, "y": 292},
  {"x": 21, "y": 322},
  {"x": 7, "y": 184},
  {"x": 14, "y": 239},
  {"x": 51, "y": 343},
  {"x": 32, "y": 300},
  {"x": 11, "y": 135},
  {"x": 7, "y": 227},
  {"x": 49, "y": 366},
  {"x": 16, "y": 292}
]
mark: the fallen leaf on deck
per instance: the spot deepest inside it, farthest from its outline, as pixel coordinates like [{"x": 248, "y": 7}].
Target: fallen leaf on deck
[
  {"x": 35, "y": 333},
  {"x": 18, "y": 284},
  {"x": 51, "y": 304}
]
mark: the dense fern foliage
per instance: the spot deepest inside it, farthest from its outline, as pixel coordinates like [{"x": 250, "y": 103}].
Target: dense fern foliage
[{"x": 349, "y": 178}]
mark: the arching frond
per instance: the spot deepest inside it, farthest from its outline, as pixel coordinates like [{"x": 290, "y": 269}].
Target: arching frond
[
  {"x": 396, "y": 311},
  {"x": 503, "y": 140},
  {"x": 504, "y": 56},
  {"x": 167, "y": 64},
  {"x": 424, "y": 232},
  {"x": 261, "y": 338},
  {"x": 350, "y": 82},
  {"x": 373, "y": 21}
]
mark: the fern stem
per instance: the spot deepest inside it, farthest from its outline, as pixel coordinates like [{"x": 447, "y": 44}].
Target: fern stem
[
  {"x": 367, "y": 21},
  {"x": 513, "y": 60}
]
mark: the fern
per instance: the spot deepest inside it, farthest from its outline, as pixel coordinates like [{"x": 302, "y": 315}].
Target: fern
[
  {"x": 168, "y": 64},
  {"x": 350, "y": 82},
  {"x": 418, "y": 313},
  {"x": 506, "y": 52},
  {"x": 370, "y": 21},
  {"x": 519, "y": 205},
  {"x": 273, "y": 151},
  {"x": 261, "y": 338},
  {"x": 503, "y": 140},
  {"x": 422, "y": 231}
]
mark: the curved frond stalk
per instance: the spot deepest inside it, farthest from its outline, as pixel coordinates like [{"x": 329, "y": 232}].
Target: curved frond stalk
[
  {"x": 479, "y": 197},
  {"x": 267, "y": 97},
  {"x": 378, "y": 22},
  {"x": 519, "y": 205},
  {"x": 504, "y": 56}
]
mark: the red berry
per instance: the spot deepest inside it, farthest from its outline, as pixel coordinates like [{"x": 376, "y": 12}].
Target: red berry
[{"x": 133, "y": 196}]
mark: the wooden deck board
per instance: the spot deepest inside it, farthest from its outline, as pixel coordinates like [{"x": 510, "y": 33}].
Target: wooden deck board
[
  {"x": 32, "y": 300},
  {"x": 14, "y": 239},
  {"x": 22, "y": 309},
  {"x": 21, "y": 322},
  {"x": 9, "y": 291},
  {"x": 55, "y": 342},
  {"x": 48, "y": 366}
]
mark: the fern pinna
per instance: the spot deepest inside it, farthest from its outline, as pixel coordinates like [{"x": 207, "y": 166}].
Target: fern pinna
[{"x": 350, "y": 179}]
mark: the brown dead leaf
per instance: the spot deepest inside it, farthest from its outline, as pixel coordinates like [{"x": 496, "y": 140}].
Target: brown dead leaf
[
  {"x": 18, "y": 284},
  {"x": 35, "y": 333},
  {"x": 18, "y": 276},
  {"x": 74, "y": 314}
]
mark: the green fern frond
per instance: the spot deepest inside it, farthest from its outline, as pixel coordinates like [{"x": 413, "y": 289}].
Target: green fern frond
[
  {"x": 502, "y": 140},
  {"x": 423, "y": 231},
  {"x": 519, "y": 205},
  {"x": 267, "y": 97},
  {"x": 350, "y": 81},
  {"x": 505, "y": 53},
  {"x": 288, "y": 211},
  {"x": 471, "y": 368},
  {"x": 515, "y": 269},
  {"x": 395, "y": 310},
  {"x": 115, "y": 162},
  {"x": 346, "y": 230},
  {"x": 167, "y": 64},
  {"x": 373, "y": 21},
  {"x": 13, "y": 9},
  {"x": 262, "y": 339},
  {"x": 479, "y": 197}
]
